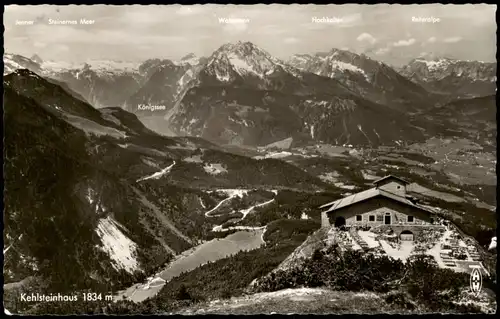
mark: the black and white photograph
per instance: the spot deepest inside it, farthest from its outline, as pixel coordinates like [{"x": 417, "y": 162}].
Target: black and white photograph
[{"x": 249, "y": 159}]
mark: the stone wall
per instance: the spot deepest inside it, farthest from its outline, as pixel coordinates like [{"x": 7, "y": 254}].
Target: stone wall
[{"x": 415, "y": 229}]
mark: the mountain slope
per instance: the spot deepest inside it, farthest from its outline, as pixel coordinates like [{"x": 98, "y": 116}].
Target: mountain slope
[
  {"x": 373, "y": 80},
  {"x": 253, "y": 117},
  {"x": 245, "y": 65},
  {"x": 50, "y": 157},
  {"x": 102, "y": 83},
  {"x": 68, "y": 207},
  {"x": 164, "y": 83},
  {"x": 191, "y": 59},
  {"x": 86, "y": 188},
  {"x": 102, "y": 88},
  {"x": 244, "y": 96},
  {"x": 472, "y": 118},
  {"x": 13, "y": 62}
]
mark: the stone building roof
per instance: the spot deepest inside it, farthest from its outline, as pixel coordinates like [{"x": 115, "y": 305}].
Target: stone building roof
[
  {"x": 368, "y": 194},
  {"x": 383, "y": 179}
]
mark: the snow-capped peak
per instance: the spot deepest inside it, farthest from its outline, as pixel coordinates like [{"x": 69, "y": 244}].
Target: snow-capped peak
[
  {"x": 435, "y": 64},
  {"x": 13, "y": 62},
  {"x": 331, "y": 64},
  {"x": 438, "y": 68},
  {"x": 190, "y": 59},
  {"x": 189, "y": 56},
  {"x": 112, "y": 65},
  {"x": 37, "y": 59},
  {"x": 301, "y": 58},
  {"x": 57, "y": 66},
  {"x": 95, "y": 65},
  {"x": 244, "y": 58}
]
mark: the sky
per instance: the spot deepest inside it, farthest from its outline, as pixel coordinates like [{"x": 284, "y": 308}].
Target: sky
[{"x": 136, "y": 33}]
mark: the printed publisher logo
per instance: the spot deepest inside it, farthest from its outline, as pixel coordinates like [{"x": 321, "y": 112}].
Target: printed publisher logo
[{"x": 476, "y": 281}]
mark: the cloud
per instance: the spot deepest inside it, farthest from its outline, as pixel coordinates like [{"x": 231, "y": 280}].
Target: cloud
[
  {"x": 59, "y": 47},
  {"x": 62, "y": 47},
  {"x": 366, "y": 37},
  {"x": 291, "y": 40},
  {"x": 72, "y": 35},
  {"x": 269, "y": 29},
  {"x": 404, "y": 43},
  {"x": 452, "y": 40},
  {"x": 188, "y": 10},
  {"x": 235, "y": 27},
  {"x": 350, "y": 20},
  {"x": 147, "y": 30},
  {"x": 39, "y": 44},
  {"x": 382, "y": 51},
  {"x": 139, "y": 16}
]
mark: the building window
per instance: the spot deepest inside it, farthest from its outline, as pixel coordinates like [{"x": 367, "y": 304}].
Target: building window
[
  {"x": 359, "y": 218},
  {"x": 410, "y": 219},
  {"x": 372, "y": 218}
]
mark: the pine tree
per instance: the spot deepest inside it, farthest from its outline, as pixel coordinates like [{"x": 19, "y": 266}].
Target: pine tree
[{"x": 183, "y": 293}]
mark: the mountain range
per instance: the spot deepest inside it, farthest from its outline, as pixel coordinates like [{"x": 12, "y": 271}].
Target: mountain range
[
  {"x": 371, "y": 79},
  {"x": 460, "y": 79},
  {"x": 251, "y": 98}
]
